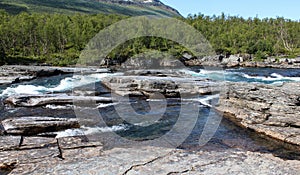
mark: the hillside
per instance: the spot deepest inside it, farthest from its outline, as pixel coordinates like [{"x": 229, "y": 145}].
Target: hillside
[{"x": 123, "y": 7}]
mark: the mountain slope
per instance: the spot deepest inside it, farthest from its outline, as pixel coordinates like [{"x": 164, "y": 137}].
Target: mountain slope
[{"x": 124, "y": 7}]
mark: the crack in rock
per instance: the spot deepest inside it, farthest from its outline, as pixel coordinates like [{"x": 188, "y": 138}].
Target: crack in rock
[
  {"x": 181, "y": 172},
  {"x": 144, "y": 164}
]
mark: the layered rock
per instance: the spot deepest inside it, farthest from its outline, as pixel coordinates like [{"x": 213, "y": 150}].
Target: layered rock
[
  {"x": 168, "y": 86},
  {"x": 37, "y": 125},
  {"x": 270, "y": 110},
  {"x": 153, "y": 160},
  {"x": 41, "y": 100}
]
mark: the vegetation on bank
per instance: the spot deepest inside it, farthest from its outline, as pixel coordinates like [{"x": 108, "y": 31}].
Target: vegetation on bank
[
  {"x": 84, "y": 7},
  {"x": 58, "y": 39},
  {"x": 259, "y": 37}
]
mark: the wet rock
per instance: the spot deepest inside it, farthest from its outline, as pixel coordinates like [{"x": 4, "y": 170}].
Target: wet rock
[
  {"x": 41, "y": 100},
  {"x": 271, "y": 110},
  {"x": 36, "y": 125}
]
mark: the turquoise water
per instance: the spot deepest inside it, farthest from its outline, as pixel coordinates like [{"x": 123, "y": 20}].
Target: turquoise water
[
  {"x": 226, "y": 135},
  {"x": 68, "y": 82}
]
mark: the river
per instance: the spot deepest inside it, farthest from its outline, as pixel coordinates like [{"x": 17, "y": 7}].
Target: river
[{"x": 227, "y": 134}]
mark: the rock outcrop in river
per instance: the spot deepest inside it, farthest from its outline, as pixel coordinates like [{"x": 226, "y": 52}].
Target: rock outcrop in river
[{"x": 269, "y": 110}]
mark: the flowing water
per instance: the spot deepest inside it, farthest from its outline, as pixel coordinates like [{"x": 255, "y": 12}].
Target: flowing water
[{"x": 226, "y": 136}]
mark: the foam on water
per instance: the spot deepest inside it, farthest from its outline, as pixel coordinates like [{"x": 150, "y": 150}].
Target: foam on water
[
  {"x": 273, "y": 77},
  {"x": 65, "y": 84},
  {"x": 90, "y": 130},
  {"x": 240, "y": 76},
  {"x": 102, "y": 105},
  {"x": 59, "y": 106},
  {"x": 206, "y": 100},
  {"x": 24, "y": 89}
]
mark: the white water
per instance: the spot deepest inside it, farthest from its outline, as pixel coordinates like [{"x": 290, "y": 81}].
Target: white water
[
  {"x": 273, "y": 77},
  {"x": 90, "y": 130},
  {"x": 80, "y": 80},
  {"x": 65, "y": 84},
  {"x": 230, "y": 75},
  {"x": 59, "y": 106}
]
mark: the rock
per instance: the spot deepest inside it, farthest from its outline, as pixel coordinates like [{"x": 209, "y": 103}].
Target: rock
[
  {"x": 37, "y": 142},
  {"x": 157, "y": 73},
  {"x": 232, "y": 64},
  {"x": 150, "y": 62},
  {"x": 159, "y": 160},
  {"x": 187, "y": 56},
  {"x": 297, "y": 60},
  {"x": 171, "y": 63},
  {"x": 283, "y": 60},
  {"x": 248, "y": 64},
  {"x": 35, "y": 125},
  {"x": 271, "y": 110},
  {"x": 243, "y": 60},
  {"x": 231, "y": 58},
  {"x": 41, "y": 100},
  {"x": 271, "y": 60},
  {"x": 168, "y": 86},
  {"x": 79, "y": 147},
  {"x": 9, "y": 142}
]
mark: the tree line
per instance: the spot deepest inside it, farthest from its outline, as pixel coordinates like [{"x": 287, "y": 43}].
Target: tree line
[
  {"x": 260, "y": 37},
  {"x": 59, "y": 38}
]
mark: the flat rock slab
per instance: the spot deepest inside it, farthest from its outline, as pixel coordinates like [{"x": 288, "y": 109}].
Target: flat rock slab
[
  {"x": 41, "y": 100},
  {"x": 168, "y": 86},
  {"x": 159, "y": 160},
  {"x": 9, "y": 142},
  {"x": 37, "y": 142},
  {"x": 271, "y": 110},
  {"x": 79, "y": 147},
  {"x": 36, "y": 125}
]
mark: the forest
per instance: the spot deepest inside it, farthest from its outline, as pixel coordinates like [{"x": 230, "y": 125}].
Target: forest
[{"x": 58, "y": 39}]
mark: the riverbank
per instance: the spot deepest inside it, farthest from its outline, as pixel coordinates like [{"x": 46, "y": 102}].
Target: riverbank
[
  {"x": 244, "y": 61},
  {"x": 41, "y": 134}
]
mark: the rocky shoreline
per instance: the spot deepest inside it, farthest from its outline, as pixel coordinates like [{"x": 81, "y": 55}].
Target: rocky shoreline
[
  {"x": 232, "y": 61},
  {"x": 266, "y": 109},
  {"x": 28, "y": 144},
  {"x": 269, "y": 110}
]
